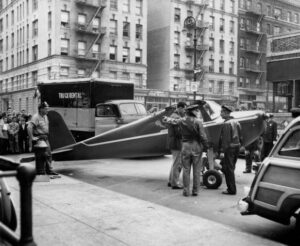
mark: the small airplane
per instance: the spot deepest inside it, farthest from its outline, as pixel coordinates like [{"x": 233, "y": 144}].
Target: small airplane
[{"x": 145, "y": 137}]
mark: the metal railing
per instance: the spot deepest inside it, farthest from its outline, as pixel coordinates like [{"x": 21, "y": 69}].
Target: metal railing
[{"x": 25, "y": 174}]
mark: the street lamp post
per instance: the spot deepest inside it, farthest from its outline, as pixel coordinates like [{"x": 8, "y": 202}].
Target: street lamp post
[{"x": 190, "y": 23}]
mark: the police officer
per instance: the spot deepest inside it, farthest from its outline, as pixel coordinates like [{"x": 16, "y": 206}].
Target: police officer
[
  {"x": 38, "y": 129},
  {"x": 194, "y": 140},
  {"x": 269, "y": 135},
  {"x": 174, "y": 144},
  {"x": 252, "y": 151},
  {"x": 229, "y": 146}
]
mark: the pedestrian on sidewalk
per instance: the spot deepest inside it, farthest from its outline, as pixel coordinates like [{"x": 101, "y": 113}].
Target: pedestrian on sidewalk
[
  {"x": 13, "y": 136},
  {"x": 38, "y": 131},
  {"x": 270, "y": 135},
  {"x": 23, "y": 136},
  {"x": 252, "y": 152},
  {"x": 174, "y": 144},
  {"x": 194, "y": 141},
  {"x": 229, "y": 147}
]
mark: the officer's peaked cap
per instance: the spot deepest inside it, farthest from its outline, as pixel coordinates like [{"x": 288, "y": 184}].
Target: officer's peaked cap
[
  {"x": 227, "y": 108},
  {"x": 43, "y": 105}
]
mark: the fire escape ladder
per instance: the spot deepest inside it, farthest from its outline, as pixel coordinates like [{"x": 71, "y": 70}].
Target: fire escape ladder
[
  {"x": 97, "y": 65},
  {"x": 94, "y": 16}
]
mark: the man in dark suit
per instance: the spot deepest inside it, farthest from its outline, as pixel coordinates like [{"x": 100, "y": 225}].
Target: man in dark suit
[
  {"x": 270, "y": 135},
  {"x": 23, "y": 136}
]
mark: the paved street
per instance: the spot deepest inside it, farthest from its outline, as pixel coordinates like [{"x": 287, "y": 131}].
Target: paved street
[{"x": 146, "y": 179}]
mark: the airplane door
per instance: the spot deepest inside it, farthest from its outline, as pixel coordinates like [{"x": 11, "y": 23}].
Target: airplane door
[{"x": 106, "y": 118}]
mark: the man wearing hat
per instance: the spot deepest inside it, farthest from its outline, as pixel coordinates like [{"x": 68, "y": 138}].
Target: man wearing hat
[
  {"x": 269, "y": 135},
  {"x": 229, "y": 146},
  {"x": 38, "y": 132},
  {"x": 194, "y": 140},
  {"x": 174, "y": 144}
]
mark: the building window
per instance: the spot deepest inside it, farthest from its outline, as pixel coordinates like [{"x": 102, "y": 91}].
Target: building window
[
  {"x": 242, "y": 62},
  {"x": 242, "y": 24},
  {"x": 64, "y": 71},
  {"x": 12, "y": 40},
  {"x": 96, "y": 24},
  {"x": 211, "y": 67},
  {"x": 177, "y": 37},
  {"x": 241, "y": 81},
  {"x": 12, "y": 61},
  {"x": 211, "y": 3},
  {"x": 232, "y": 6},
  {"x": 113, "y": 74},
  {"x": 138, "y": 31},
  {"x": 277, "y": 30},
  {"x": 34, "y": 5},
  {"x": 81, "y": 72},
  {"x": 49, "y": 20},
  {"x": 212, "y": 23},
  {"x": 34, "y": 53},
  {"x": 126, "y": 75},
  {"x": 211, "y": 44},
  {"x": 138, "y": 80},
  {"x": 113, "y": 27},
  {"x": 222, "y": 4},
  {"x": 289, "y": 16},
  {"x": 64, "y": 47},
  {"x": 34, "y": 76},
  {"x": 6, "y": 18},
  {"x": 231, "y": 27},
  {"x": 231, "y": 88},
  {"x": 221, "y": 66},
  {"x": 269, "y": 10},
  {"x": 222, "y": 48},
  {"x": 139, "y": 7},
  {"x": 81, "y": 48},
  {"x": 249, "y": 4},
  {"x": 1, "y": 25},
  {"x": 277, "y": 13},
  {"x": 12, "y": 17},
  {"x": 126, "y": 6},
  {"x": 247, "y": 81},
  {"x": 222, "y": 25},
  {"x": 269, "y": 29},
  {"x": 176, "y": 60},
  {"x": 34, "y": 28},
  {"x": 82, "y": 19},
  {"x": 65, "y": 18},
  {"x": 96, "y": 50},
  {"x": 242, "y": 43},
  {"x": 1, "y": 45},
  {"x": 49, "y": 72},
  {"x": 211, "y": 85},
  {"x": 259, "y": 8},
  {"x": 220, "y": 87},
  {"x": 177, "y": 15},
  {"x": 126, "y": 29},
  {"x": 49, "y": 47},
  {"x": 125, "y": 54},
  {"x": 231, "y": 48},
  {"x": 138, "y": 56},
  {"x": 113, "y": 52},
  {"x": 231, "y": 67},
  {"x": 114, "y": 4},
  {"x": 296, "y": 18}
]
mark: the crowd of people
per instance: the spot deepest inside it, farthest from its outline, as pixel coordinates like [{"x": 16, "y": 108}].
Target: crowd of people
[{"x": 13, "y": 132}]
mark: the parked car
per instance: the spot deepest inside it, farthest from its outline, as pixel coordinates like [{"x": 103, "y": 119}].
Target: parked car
[{"x": 275, "y": 190}]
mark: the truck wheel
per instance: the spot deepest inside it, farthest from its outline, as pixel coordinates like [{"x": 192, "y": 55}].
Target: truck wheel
[{"x": 212, "y": 179}]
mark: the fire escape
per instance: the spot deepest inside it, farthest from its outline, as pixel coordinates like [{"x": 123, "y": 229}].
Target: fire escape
[
  {"x": 201, "y": 47},
  {"x": 255, "y": 49},
  {"x": 93, "y": 32}
]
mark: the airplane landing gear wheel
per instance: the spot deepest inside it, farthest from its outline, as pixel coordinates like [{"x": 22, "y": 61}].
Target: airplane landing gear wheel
[{"x": 212, "y": 179}]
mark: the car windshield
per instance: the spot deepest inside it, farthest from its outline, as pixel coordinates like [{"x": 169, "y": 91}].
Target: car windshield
[
  {"x": 292, "y": 145},
  {"x": 213, "y": 109}
]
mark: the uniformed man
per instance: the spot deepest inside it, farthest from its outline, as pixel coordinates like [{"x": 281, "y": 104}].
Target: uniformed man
[
  {"x": 174, "y": 144},
  {"x": 229, "y": 146},
  {"x": 252, "y": 151},
  {"x": 269, "y": 135},
  {"x": 194, "y": 140},
  {"x": 38, "y": 129}
]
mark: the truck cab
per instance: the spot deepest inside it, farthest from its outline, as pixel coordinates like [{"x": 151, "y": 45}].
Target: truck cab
[
  {"x": 115, "y": 113},
  {"x": 275, "y": 190}
]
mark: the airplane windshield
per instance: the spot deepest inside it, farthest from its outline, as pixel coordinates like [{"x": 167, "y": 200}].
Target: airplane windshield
[{"x": 212, "y": 109}]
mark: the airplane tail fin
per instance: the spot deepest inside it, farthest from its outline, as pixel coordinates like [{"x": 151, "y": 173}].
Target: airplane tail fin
[{"x": 60, "y": 134}]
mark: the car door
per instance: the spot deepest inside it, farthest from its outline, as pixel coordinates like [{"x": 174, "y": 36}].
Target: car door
[{"x": 107, "y": 116}]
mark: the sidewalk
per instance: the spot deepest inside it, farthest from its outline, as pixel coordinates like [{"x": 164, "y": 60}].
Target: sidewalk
[{"x": 69, "y": 212}]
